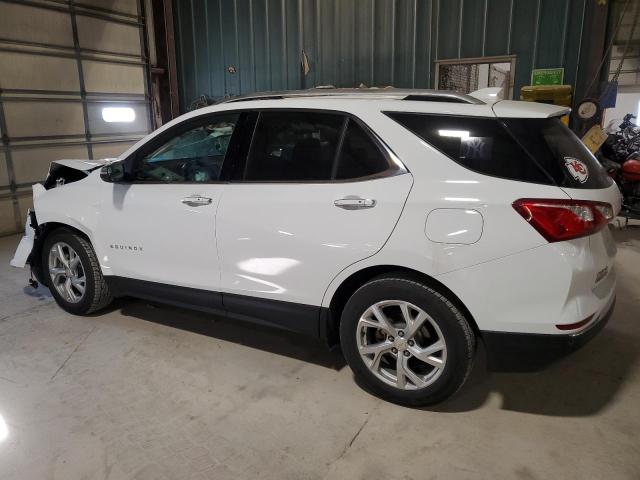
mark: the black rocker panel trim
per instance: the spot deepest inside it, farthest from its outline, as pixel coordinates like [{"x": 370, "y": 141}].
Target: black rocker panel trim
[
  {"x": 304, "y": 319},
  {"x": 290, "y": 316},
  {"x": 194, "y": 298}
]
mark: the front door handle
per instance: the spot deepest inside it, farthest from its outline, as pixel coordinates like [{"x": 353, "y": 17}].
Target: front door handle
[
  {"x": 354, "y": 203},
  {"x": 196, "y": 200}
]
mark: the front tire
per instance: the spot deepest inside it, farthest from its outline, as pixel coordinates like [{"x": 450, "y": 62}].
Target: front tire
[
  {"x": 406, "y": 342},
  {"x": 73, "y": 274}
]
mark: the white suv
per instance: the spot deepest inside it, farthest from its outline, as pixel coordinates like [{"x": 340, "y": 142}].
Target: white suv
[{"x": 401, "y": 225}]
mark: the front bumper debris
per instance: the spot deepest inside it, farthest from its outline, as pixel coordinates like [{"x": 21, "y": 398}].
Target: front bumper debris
[{"x": 25, "y": 247}]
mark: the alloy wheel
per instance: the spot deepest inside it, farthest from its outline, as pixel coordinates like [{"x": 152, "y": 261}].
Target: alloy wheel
[
  {"x": 66, "y": 272},
  {"x": 401, "y": 344}
]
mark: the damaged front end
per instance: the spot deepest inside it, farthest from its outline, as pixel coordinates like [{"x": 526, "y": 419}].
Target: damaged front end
[
  {"x": 29, "y": 248},
  {"x": 62, "y": 172}
]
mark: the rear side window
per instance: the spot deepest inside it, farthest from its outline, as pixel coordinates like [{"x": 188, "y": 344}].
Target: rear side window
[
  {"x": 294, "y": 146},
  {"x": 359, "y": 156},
  {"x": 291, "y": 146},
  {"x": 536, "y": 150},
  {"x": 480, "y": 144}
]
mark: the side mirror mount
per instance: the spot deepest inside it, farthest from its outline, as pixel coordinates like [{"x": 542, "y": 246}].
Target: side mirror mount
[{"x": 113, "y": 172}]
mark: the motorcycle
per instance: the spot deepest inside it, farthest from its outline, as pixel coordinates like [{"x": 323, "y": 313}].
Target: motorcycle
[{"x": 620, "y": 156}]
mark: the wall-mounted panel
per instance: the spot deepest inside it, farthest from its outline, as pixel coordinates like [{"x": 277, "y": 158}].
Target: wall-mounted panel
[
  {"x": 25, "y": 119},
  {"x": 106, "y": 77},
  {"x": 7, "y": 217},
  {"x": 100, "y": 34},
  {"x": 371, "y": 42},
  {"x": 32, "y": 164},
  {"x": 110, "y": 150},
  {"x": 129, "y": 7},
  {"x": 38, "y": 72},
  {"x": 31, "y": 24},
  {"x": 4, "y": 175}
]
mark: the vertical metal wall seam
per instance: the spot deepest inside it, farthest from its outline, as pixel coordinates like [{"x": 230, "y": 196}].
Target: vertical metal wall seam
[
  {"x": 301, "y": 42},
  {"x": 536, "y": 32},
  {"x": 337, "y": 42},
  {"x": 208, "y": 49},
  {"x": 584, "y": 11},
  {"x": 373, "y": 42},
  {"x": 510, "y": 28},
  {"x": 393, "y": 41},
  {"x": 484, "y": 27},
  {"x": 414, "y": 43},
  {"x": 354, "y": 49},
  {"x": 268, "y": 43},
  {"x": 320, "y": 69},
  {"x": 195, "y": 49},
  {"x": 460, "y": 25},
  {"x": 285, "y": 57},
  {"x": 83, "y": 91},
  {"x": 252, "y": 48},
  {"x": 237, "y": 46},
  {"x": 429, "y": 36},
  {"x": 565, "y": 28},
  {"x": 437, "y": 52},
  {"x": 225, "y": 92},
  {"x": 13, "y": 190}
]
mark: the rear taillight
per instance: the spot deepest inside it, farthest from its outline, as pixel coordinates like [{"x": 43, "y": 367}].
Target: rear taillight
[{"x": 558, "y": 220}]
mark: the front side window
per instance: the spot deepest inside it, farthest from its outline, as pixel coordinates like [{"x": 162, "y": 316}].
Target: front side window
[
  {"x": 291, "y": 146},
  {"x": 192, "y": 155}
]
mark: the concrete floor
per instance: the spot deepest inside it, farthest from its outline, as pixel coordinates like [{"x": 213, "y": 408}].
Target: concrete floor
[{"x": 143, "y": 392}]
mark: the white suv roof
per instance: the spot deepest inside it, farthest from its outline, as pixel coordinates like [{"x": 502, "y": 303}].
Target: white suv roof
[{"x": 501, "y": 108}]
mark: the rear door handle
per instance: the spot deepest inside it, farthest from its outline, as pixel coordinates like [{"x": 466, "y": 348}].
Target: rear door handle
[
  {"x": 196, "y": 200},
  {"x": 355, "y": 203}
]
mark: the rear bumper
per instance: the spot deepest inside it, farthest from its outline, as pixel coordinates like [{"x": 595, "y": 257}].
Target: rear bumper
[{"x": 528, "y": 351}]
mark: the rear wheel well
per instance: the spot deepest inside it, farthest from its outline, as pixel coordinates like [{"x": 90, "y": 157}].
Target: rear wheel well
[{"x": 356, "y": 280}]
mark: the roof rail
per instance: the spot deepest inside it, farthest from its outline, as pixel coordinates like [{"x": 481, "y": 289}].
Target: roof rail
[{"x": 421, "y": 95}]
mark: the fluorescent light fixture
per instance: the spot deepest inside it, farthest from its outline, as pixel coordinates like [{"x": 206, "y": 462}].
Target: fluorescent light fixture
[
  {"x": 118, "y": 114},
  {"x": 454, "y": 133}
]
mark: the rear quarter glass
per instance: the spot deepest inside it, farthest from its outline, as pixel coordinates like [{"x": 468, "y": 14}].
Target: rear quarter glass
[
  {"x": 559, "y": 152},
  {"x": 540, "y": 151}
]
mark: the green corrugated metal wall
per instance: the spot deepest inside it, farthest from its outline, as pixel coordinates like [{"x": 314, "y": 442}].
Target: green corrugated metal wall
[{"x": 375, "y": 42}]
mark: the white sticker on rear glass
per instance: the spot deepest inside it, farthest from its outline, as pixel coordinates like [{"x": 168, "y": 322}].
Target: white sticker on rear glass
[{"x": 577, "y": 168}]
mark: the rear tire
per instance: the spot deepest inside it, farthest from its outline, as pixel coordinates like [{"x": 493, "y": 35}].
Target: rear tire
[
  {"x": 72, "y": 273},
  {"x": 406, "y": 342}
]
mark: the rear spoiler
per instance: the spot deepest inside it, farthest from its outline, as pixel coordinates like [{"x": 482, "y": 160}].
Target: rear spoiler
[{"x": 515, "y": 109}]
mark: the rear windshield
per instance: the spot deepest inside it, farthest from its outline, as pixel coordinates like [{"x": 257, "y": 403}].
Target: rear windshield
[
  {"x": 528, "y": 150},
  {"x": 560, "y": 153}
]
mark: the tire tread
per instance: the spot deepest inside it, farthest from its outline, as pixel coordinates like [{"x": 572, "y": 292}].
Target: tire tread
[
  {"x": 469, "y": 335},
  {"x": 102, "y": 295}
]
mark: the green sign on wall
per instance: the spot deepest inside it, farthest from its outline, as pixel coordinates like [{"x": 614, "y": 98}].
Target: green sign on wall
[{"x": 547, "y": 76}]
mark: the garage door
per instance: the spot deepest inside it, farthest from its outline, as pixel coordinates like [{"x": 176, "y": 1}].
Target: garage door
[{"x": 73, "y": 84}]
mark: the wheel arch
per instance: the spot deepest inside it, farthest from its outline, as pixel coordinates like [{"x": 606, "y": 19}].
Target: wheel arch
[
  {"x": 43, "y": 232},
  {"x": 330, "y": 321}
]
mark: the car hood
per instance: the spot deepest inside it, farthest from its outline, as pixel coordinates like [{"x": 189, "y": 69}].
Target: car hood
[{"x": 84, "y": 165}]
